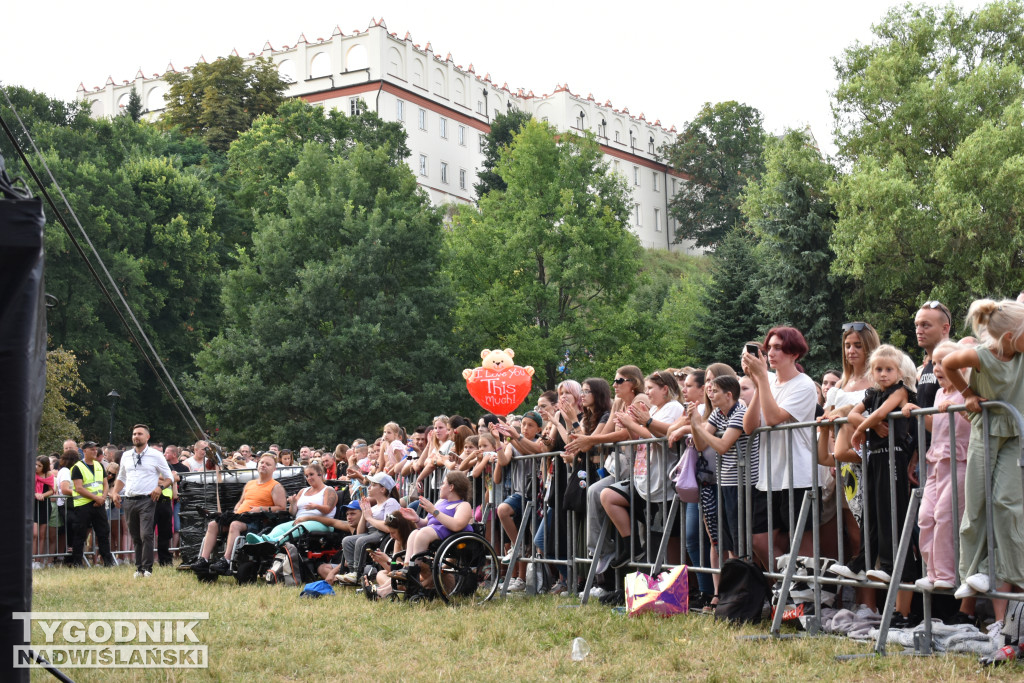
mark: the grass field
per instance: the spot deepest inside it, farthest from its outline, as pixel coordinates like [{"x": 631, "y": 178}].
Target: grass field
[{"x": 263, "y": 633}]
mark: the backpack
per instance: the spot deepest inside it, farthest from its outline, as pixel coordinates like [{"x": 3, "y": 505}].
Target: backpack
[
  {"x": 1013, "y": 629},
  {"x": 742, "y": 590},
  {"x": 287, "y": 567}
]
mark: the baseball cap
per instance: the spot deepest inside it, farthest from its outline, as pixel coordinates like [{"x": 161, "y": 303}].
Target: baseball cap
[
  {"x": 354, "y": 505},
  {"x": 90, "y": 444},
  {"x": 383, "y": 479}
]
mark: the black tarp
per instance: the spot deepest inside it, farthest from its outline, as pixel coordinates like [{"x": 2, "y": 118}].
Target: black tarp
[{"x": 22, "y": 385}]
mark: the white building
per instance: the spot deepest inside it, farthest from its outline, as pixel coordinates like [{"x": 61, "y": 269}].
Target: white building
[{"x": 446, "y": 110}]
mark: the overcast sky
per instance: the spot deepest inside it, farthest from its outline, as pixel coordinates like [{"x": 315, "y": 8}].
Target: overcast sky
[{"x": 664, "y": 59}]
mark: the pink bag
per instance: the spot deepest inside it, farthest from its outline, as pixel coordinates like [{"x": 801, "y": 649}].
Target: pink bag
[
  {"x": 685, "y": 474},
  {"x": 666, "y": 595}
]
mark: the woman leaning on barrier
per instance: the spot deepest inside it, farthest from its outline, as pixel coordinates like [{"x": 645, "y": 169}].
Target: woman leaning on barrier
[
  {"x": 997, "y": 373},
  {"x": 650, "y": 481}
]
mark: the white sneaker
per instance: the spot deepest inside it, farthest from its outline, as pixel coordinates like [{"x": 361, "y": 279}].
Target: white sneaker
[
  {"x": 516, "y": 586},
  {"x": 37, "y": 565},
  {"x": 943, "y": 585},
  {"x": 995, "y": 632},
  {"x": 847, "y": 573},
  {"x": 349, "y": 579},
  {"x": 964, "y": 591},
  {"x": 879, "y": 575},
  {"x": 925, "y": 584},
  {"x": 865, "y": 612},
  {"x": 979, "y": 582},
  {"x": 595, "y": 593},
  {"x": 143, "y": 575}
]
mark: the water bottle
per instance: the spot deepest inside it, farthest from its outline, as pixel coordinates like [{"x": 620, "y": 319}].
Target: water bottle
[{"x": 580, "y": 649}]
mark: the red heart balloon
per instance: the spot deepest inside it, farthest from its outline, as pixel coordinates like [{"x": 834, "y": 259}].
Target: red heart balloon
[{"x": 499, "y": 391}]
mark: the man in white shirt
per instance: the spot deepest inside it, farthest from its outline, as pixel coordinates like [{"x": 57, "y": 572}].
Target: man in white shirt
[
  {"x": 143, "y": 474},
  {"x": 197, "y": 463}
]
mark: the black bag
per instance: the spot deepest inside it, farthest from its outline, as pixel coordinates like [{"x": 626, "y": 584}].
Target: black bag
[
  {"x": 742, "y": 590},
  {"x": 575, "y": 497}
]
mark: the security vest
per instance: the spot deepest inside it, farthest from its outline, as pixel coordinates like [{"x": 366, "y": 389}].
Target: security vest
[{"x": 92, "y": 480}]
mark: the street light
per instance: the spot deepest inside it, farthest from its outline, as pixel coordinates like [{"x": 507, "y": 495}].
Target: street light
[{"x": 113, "y": 396}]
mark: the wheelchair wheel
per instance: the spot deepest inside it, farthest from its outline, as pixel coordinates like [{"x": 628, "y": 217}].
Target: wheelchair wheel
[
  {"x": 465, "y": 569},
  {"x": 247, "y": 571}
]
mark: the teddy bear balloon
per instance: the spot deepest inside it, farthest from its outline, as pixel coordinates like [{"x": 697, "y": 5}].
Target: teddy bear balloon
[{"x": 498, "y": 385}]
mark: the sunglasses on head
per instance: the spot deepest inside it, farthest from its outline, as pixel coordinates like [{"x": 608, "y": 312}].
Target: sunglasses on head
[
  {"x": 856, "y": 327},
  {"x": 939, "y": 305}
]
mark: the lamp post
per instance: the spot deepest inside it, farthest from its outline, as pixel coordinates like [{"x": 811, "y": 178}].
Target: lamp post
[{"x": 113, "y": 396}]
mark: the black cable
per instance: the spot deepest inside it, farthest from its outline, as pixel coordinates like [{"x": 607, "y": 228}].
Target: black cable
[
  {"x": 54, "y": 671},
  {"x": 195, "y": 427}
]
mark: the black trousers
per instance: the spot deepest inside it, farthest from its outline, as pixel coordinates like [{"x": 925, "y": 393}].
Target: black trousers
[
  {"x": 163, "y": 518},
  {"x": 81, "y": 519},
  {"x": 878, "y": 504}
]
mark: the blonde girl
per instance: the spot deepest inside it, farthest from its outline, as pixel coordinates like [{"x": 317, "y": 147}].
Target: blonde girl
[{"x": 997, "y": 373}]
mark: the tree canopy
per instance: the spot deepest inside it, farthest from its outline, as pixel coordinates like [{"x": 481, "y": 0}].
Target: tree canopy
[
  {"x": 220, "y": 99},
  {"x": 504, "y": 126},
  {"x": 924, "y": 118},
  {"x": 546, "y": 265},
  {"x": 338, "y": 319},
  {"x": 720, "y": 151}
]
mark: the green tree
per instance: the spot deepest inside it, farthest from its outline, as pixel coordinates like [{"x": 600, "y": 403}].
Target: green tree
[
  {"x": 546, "y": 265},
  {"x": 263, "y": 156},
  {"x": 60, "y": 413},
  {"x": 932, "y": 81},
  {"x": 220, "y": 99},
  {"x": 151, "y": 222},
  {"x": 504, "y": 126},
  {"x": 720, "y": 151},
  {"x": 339, "y": 317},
  {"x": 134, "y": 108},
  {"x": 730, "y": 313},
  {"x": 789, "y": 209}
]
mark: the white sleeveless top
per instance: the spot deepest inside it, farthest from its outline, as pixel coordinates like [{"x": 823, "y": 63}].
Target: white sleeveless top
[{"x": 305, "y": 502}]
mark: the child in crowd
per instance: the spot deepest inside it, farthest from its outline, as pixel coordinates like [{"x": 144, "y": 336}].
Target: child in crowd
[
  {"x": 935, "y": 518},
  {"x": 892, "y": 389},
  {"x": 997, "y": 373}
]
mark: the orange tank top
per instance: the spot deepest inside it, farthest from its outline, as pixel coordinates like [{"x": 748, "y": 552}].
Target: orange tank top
[{"x": 256, "y": 495}]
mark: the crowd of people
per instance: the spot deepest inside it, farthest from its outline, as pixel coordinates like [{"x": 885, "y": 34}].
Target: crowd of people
[{"x": 560, "y": 460}]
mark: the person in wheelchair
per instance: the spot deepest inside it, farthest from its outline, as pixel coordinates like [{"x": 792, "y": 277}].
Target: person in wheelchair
[
  {"x": 451, "y": 514},
  {"x": 380, "y": 500},
  {"x": 315, "y": 500},
  {"x": 377, "y": 584},
  {"x": 260, "y": 496}
]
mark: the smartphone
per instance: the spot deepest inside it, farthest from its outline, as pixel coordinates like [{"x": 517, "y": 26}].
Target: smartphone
[{"x": 753, "y": 349}]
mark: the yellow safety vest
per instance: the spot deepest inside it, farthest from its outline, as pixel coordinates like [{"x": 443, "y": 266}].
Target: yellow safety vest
[{"x": 91, "y": 480}]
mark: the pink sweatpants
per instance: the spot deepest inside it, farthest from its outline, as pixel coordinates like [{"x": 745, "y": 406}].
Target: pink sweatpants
[{"x": 935, "y": 518}]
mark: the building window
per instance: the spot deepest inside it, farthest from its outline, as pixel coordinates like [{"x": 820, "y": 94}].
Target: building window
[
  {"x": 639, "y": 216},
  {"x": 673, "y": 186},
  {"x": 654, "y": 176},
  {"x": 636, "y": 176},
  {"x": 443, "y": 127},
  {"x": 650, "y": 145},
  {"x": 616, "y": 136},
  {"x": 423, "y": 164},
  {"x": 462, "y": 178},
  {"x": 483, "y": 144},
  {"x": 400, "y": 110},
  {"x": 462, "y": 135},
  {"x": 616, "y": 166},
  {"x": 657, "y": 220},
  {"x": 444, "y": 172},
  {"x": 479, "y": 106},
  {"x": 423, "y": 119},
  {"x": 579, "y": 120}
]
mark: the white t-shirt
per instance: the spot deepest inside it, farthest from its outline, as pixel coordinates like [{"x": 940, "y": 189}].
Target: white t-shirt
[
  {"x": 651, "y": 467},
  {"x": 798, "y": 397},
  {"x": 64, "y": 474},
  {"x": 194, "y": 466}
]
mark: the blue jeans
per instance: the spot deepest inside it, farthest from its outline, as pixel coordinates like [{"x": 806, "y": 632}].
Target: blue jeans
[
  {"x": 538, "y": 541},
  {"x": 694, "y": 531}
]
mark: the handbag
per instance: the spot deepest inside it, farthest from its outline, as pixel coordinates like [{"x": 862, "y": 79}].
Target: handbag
[
  {"x": 574, "y": 499},
  {"x": 684, "y": 474},
  {"x": 666, "y": 595}
]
